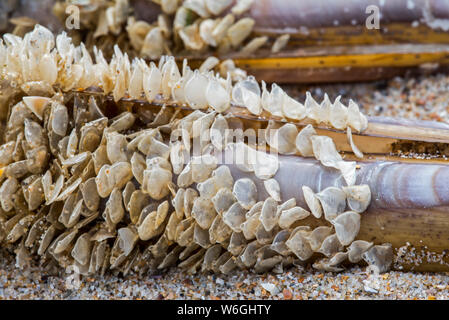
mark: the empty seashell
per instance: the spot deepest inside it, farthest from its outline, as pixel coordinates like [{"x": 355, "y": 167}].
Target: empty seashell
[
  {"x": 177, "y": 156},
  {"x": 195, "y": 92},
  {"x": 201, "y": 237},
  {"x": 203, "y": 212},
  {"x": 299, "y": 245},
  {"x": 208, "y": 64},
  {"x": 273, "y": 101},
  {"x": 222, "y": 27},
  {"x": 266, "y": 165},
  {"x": 314, "y": 110},
  {"x": 211, "y": 255},
  {"x": 138, "y": 166},
  {"x": 237, "y": 243},
  {"x": 254, "y": 45},
  {"x": 279, "y": 245},
  {"x": 354, "y": 148},
  {"x": 249, "y": 227},
  {"x": 197, "y": 6},
  {"x": 242, "y": 6},
  {"x": 239, "y": 31},
  {"x": 347, "y": 226},
  {"x": 153, "y": 45},
  {"x": 234, "y": 217},
  {"x": 190, "y": 35},
  {"x": 317, "y": 236},
  {"x": 338, "y": 114},
  {"x": 219, "y": 231},
  {"x": 330, "y": 246},
  {"x": 178, "y": 202},
  {"x": 60, "y": 119},
  {"x": 218, "y": 132},
  {"x": 217, "y": 96},
  {"x": 124, "y": 121},
  {"x": 200, "y": 129},
  {"x": 303, "y": 141},
  {"x": 280, "y": 43},
  {"x": 65, "y": 242},
  {"x": 33, "y": 133},
  {"x": 202, "y": 167},
  {"x": 137, "y": 202},
  {"x": 247, "y": 93},
  {"x": 189, "y": 198},
  {"x": 6, "y": 153},
  {"x": 268, "y": 216},
  {"x": 81, "y": 250},
  {"x": 312, "y": 202},
  {"x": 333, "y": 202},
  {"x": 90, "y": 194},
  {"x": 290, "y": 203},
  {"x": 170, "y": 77},
  {"x": 359, "y": 197},
  {"x": 293, "y": 109},
  {"x": 245, "y": 191},
  {"x": 37, "y": 105},
  {"x": 223, "y": 200},
  {"x": 348, "y": 171},
  {"x": 149, "y": 228},
  {"x": 90, "y": 139},
  {"x": 248, "y": 256},
  {"x": 156, "y": 181},
  {"x": 205, "y": 30},
  {"x": 169, "y": 6},
  {"x": 325, "y": 151},
  {"x": 217, "y": 7},
  {"x": 355, "y": 118},
  {"x": 332, "y": 264},
  {"x": 116, "y": 147},
  {"x": 152, "y": 82},
  {"x": 77, "y": 159},
  {"x": 380, "y": 256},
  {"x": 284, "y": 139},
  {"x": 114, "y": 211},
  {"x": 273, "y": 189},
  {"x": 290, "y": 216},
  {"x": 207, "y": 188},
  {"x": 356, "y": 249}
]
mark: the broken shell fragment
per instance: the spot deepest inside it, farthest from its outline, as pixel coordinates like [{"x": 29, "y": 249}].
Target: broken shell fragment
[
  {"x": 299, "y": 245},
  {"x": 333, "y": 202},
  {"x": 312, "y": 202},
  {"x": 290, "y": 216},
  {"x": 273, "y": 189},
  {"x": 356, "y": 249},
  {"x": 268, "y": 215}
]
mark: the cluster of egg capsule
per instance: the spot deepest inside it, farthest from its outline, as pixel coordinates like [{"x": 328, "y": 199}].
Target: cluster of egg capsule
[
  {"x": 95, "y": 193},
  {"x": 193, "y": 26}
]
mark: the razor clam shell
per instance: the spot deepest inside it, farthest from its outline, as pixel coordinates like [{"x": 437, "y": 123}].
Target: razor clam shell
[{"x": 395, "y": 184}]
